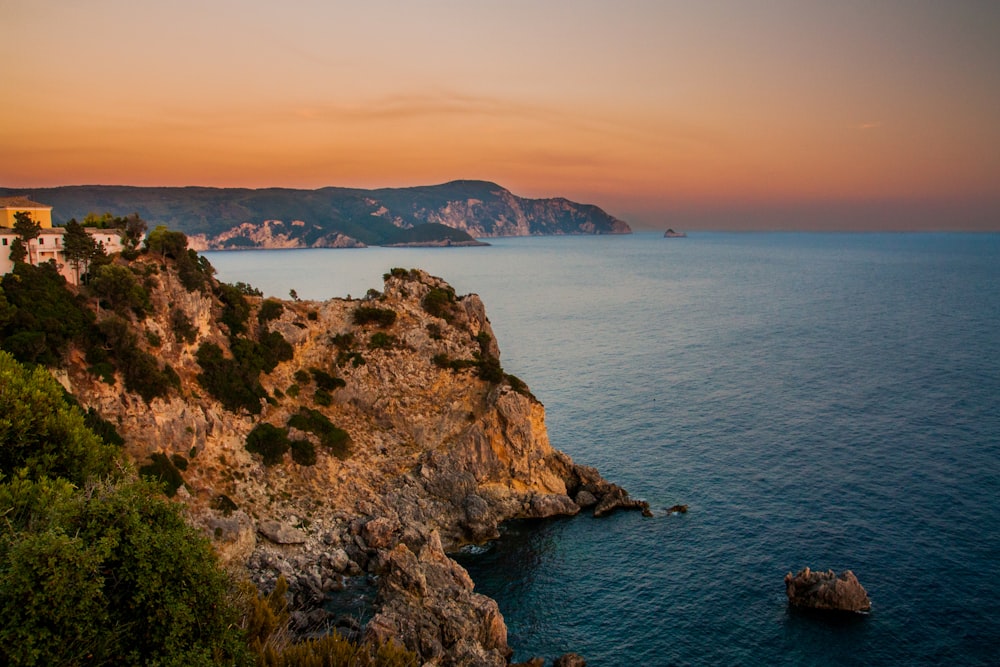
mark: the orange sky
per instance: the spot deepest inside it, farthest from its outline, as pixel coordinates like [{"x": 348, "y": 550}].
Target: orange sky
[{"x": 762, "y": 114}]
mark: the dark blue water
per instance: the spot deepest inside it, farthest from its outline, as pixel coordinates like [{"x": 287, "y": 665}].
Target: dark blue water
[{"x": 821, "y": 400}]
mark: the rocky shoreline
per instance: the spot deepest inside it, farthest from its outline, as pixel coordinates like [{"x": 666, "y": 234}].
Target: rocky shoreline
[{"x": 443, "y": 447}]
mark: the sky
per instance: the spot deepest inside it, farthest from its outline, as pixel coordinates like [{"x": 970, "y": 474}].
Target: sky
[{"x": 763, "y": 114}]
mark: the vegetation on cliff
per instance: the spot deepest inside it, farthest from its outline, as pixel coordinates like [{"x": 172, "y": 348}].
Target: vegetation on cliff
[{"x": 325, "y": 443}]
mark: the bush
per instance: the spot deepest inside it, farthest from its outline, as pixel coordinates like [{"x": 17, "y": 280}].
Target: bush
[
  {"x": 269, "y": 441},
  {"x": 194, "y": 271},
  {"x": 382, "y": 317},
  {"x": 271, "y": 309},
  {"x": 117, "y": 287},
  {"x": 322, "y": 397},
  {"x": 230, "y": 382},
  {"x": 303, "y": 376},
  {"x": 381, "y": 341},
  {"x": 325, "y": 381},
  {"x": 91, "y": 565},
  {"x": 440, "y": 302},
  {"x": 235, "y": 308},
  {"x": 303, "y": 452},
  {"x": 330, "y": 436},
  {"x": 41, "y": 316},
  {"x": 41, "y": 434},
  {"x": 183, "y": 328},
  {"x": 162, "y": 470}
]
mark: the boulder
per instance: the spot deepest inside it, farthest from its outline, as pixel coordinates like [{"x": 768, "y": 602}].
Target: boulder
[
  {"x": 826, "y": 591},
  {"x": 280, "y": 533},
  {"x": 617, "y": 498},
  {"x": 569, "y": 660}
]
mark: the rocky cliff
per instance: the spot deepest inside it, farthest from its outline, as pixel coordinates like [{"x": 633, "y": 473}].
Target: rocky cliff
[
  {"x": 220, "y": 218},
  {"x": 407, "y": 440}
]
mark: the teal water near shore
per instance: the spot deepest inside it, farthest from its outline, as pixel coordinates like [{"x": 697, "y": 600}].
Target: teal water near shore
[{"x": 830, "y": 400}]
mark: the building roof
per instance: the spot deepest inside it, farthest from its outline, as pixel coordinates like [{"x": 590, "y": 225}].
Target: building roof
[{"x": 20, "y": 202}]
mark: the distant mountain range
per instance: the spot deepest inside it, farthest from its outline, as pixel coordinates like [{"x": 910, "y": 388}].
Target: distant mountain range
[{"x": 454, "y": 213}]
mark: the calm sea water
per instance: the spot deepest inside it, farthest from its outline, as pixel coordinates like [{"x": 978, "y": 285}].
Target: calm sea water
[{"x": 830, "y": 400}]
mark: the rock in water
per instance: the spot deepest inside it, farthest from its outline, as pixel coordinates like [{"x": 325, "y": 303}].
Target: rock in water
[{"x": 826, "y": 591}]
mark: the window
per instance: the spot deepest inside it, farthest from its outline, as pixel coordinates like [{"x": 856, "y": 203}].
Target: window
[{"x": 5, "y": 241}]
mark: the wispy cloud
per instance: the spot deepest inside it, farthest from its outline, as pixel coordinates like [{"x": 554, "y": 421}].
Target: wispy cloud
[{"x": 869, "y": 125}]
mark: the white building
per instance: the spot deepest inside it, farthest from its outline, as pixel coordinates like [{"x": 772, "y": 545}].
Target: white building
[{"x": 49, "y": 244}]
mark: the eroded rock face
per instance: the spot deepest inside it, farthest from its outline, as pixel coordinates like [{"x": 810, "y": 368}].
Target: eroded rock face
[
  {"x": 826, "y": 591},
  {"x": 438, "y": 457}
]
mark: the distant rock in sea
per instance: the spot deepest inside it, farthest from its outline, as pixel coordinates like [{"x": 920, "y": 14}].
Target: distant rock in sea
[
  {"x": 826, "y": 591},
  {"x": 671, "y": 234}
]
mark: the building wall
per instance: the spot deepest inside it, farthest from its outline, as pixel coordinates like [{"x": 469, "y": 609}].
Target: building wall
[
  {"x": 49, "y": 245},
  {"x": 41, "y": 215}
]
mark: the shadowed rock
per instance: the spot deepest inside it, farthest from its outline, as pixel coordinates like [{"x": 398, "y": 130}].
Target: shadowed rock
[{"x": 826, "y": 591}]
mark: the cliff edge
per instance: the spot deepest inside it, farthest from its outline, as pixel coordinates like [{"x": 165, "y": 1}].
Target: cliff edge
[{"x": 341, "y": 444}]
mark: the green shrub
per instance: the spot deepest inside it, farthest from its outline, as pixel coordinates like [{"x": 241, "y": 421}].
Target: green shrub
[
  {"x": 440, "y": 302},
  {"x": 231, "y": 382},
  {"x": 111, "y": 576},
  {"x": 41, "y": 315},
  {"x": 380, "y": 340},
  {"x": 312, "y": 315},
  {"x": 162, "y": 470},
  {"x": 326, "y": 381},
  {"x": 183, "y": 328},
  {"x": 271, "y": 309},
  {"x": 490, "y": 370},
  {"x": 273, "y": 349},
  {"x": 246, "y": 289},
  {"x": 269, "y": 441},
  {"x": 382, "y": 317},
  {"x": 194, "y": 271},
  {"x": 179, "y": 462},
  {"x": 153, "y": 339},
  {"x": 41, "y": 434},
  {"x": 303, "y": 452},
  {"x": 322, "y": 397},
  {"x": 118, "y": 289},
  {"x": 343, "y": 341},
  {"x": 312, "y": 421},
  {"x": 235, "y": 308},
  {"x": 103, "y": 370}
]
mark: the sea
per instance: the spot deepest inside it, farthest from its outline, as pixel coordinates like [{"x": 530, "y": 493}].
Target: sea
[{"x": 820, "y": 400}]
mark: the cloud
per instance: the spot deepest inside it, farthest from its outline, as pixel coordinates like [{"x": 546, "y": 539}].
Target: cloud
[{"x": 869, "y": 125}]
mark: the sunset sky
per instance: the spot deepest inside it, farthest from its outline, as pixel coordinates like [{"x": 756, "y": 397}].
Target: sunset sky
[{"x": 727, "y": 115}]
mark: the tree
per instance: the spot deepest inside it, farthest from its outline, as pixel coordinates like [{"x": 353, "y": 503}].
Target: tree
[
  {"x": 132, "y": 231},
  {"x": 110, "y": 575},
  {"x": 79, "y": 247},
  {"x": 117, "y": 285},
  {"x": 18, "y": 252},
  {"x": 27, "y": 229},
  {"x": 40, "y": 434},
  {"x": 166, "y": 243}
]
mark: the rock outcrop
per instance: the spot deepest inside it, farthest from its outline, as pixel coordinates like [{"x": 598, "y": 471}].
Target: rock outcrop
[
  {"x": 826, "y": 591},
  {"x": 441, "y": 448}
]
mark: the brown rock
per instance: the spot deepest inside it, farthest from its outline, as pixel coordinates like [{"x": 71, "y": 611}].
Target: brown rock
[
  {"x": 280, "y": 533},
  {"x": 617, "y": 498},
  {"x": 569, "y": 660},
  {"x": 826, "y": 591}
]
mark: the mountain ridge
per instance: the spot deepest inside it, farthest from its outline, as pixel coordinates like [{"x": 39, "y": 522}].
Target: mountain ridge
[{"x": 223, "y": 218}]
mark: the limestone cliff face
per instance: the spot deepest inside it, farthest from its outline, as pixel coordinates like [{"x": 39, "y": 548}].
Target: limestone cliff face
[{"x": 437, "y": 456}]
